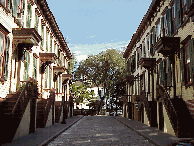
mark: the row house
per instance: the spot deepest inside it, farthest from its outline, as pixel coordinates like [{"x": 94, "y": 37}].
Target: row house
[
  {"x": 34, "y": 69},
  {"x": 160, "y": 68}
]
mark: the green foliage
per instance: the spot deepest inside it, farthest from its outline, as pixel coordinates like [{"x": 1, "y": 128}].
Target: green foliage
[
  {"x": 106, "y": 69},
  {"x": 81, "y": 93},
  {"x": 71, "y": 65}
]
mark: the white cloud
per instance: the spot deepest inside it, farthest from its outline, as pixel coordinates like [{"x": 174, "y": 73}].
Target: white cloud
[
  {"x": 81, "y": 57},
  {"x": 76, "y": 52},
  {"x": 82, "y": 50},
  {"x": 91, "y": 36}
]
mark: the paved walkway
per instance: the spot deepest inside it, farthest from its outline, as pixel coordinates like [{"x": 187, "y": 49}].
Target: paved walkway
[
  {"x": 152, "y": 134},
  {"x": 99, "y": 131},
  {"x": 96, "y": 130},
  {"x": 43, "y": 135}
]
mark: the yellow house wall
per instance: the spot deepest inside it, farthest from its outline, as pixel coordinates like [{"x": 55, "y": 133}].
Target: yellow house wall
[
  {"x": 24, "y": 125},
  {"x": 167, "y": 125},
  {"x": 146, "y": 118},
  {"x": 49, "y": 120}
]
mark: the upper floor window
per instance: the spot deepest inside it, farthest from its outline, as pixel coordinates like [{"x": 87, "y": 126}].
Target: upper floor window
[
  {"x": 29, "y": 16},
  {"x": 133, "y": 63},
  {"x": 4, "y": 56},
  {"x": 3, "y": 2},
  {"x": 36, "y": 22},
  {"x": 35, "y": 68},
  {"x": 158, "y": 30},
  {"x": 167, "y": 22},
  {"x": 51, "y": 43},
  {"x": 187, "y": 62},
  {"x": 42, "y": 34},
  {"x": 186, "y": 4},
  {"x": 26, "y": 65}
]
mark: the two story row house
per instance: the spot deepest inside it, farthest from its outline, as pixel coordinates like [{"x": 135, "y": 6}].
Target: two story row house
[
  {"x": 160, "y": 68},
  {"x": 34, "y": 69}
]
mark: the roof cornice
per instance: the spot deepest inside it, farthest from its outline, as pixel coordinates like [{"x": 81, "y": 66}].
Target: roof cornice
[
  {"x": 49, "y": 17},
  {"x": 147, "y": 17}
]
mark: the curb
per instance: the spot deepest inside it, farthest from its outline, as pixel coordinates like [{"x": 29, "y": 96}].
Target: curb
[
  {"x": 140, "y": 133},
  {"x": 44, "y": 143}
]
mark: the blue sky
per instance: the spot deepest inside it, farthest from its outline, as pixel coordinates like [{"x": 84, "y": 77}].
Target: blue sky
[{"x": 92, "y": 26}]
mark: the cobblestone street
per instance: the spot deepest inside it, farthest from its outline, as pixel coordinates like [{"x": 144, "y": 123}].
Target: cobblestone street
[{"x": 99, "y": 130}]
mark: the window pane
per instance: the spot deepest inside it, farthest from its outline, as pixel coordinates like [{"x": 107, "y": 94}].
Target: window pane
[
  {"x": 1, "y": 64},
  {"x": 2, "y": 44},
  {"x": 3, "y": 2}
]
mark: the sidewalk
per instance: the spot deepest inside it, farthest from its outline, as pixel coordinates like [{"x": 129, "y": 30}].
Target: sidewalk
[
  {"x": 44, "y": 135},
  {"x": 154, "y": 135}
]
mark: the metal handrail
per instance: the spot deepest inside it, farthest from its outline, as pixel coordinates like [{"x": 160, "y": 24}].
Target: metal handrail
[{"x": 22, "y": 95}]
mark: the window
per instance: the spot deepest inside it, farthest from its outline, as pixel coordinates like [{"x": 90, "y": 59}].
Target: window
[
  {"x": 42, "y": 34},
  {"x": 2, "y": 48},
  {"x": 36, "y": 22},
  {"x": 153, "y": 35},
  {"x": 47, "y": 34},
  {"x": 173, "y": 18},
  {"x": 50, "y": 78},
  {"x": 46, "y": 77},
  {"x": 186, "y": 4},
  {"x": 167, "y": 22},
  {"x": 29, "y": 16},
  {"x": 162, "y": 30},
  {"x": 133, "y": 63},
  {"x": 4, "y": 56},
  {"x": 158, "y": 30},
  {"x": 26, "y": 65},
  {"x": 187, "y": 62},
  {"x": 177, "y": 14},
  {"x": 35, "y": 68},
  {"x": 169, "y": 72},
  {"x": 51, "y": 44},
  {"x": 162, "y": 73},
  {"x": 144, "y": 51},
  {"x": 3, "y": 2}
]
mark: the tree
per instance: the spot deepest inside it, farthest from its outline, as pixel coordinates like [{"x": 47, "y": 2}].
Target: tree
[
  {"x": 104, "y": 69},
  {"x": 81, "y": 94},
  {"x": 71, "y": 64}
]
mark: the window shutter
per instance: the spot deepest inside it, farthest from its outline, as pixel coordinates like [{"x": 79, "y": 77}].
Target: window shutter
[
  {"x": 182, "y": 65},
  {"x": 128, "y": 64},
  {"x": 191, "y": 50},
  {"x": 154, "y": 35},
  {"x": 161, "y": 73},
  {"x": 169, "y": 21},
  {"x": 169, "y": 77},
  {"x": 151, "y": 50},
  {"x": 14, "y": 10},
  {"x": 177, "y": 14},
  {"x": 162, "y": 26}
]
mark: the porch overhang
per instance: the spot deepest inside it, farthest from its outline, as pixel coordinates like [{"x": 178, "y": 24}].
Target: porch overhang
[
  {"x": 168, "y": 45},
  {"x": 58, "y": 69},
  {"x": 147, "y": 62},
  {"x": 48, "y": 57},
  {"x": 67, "y": 77},
  {"x": 28, "y": 37}
]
